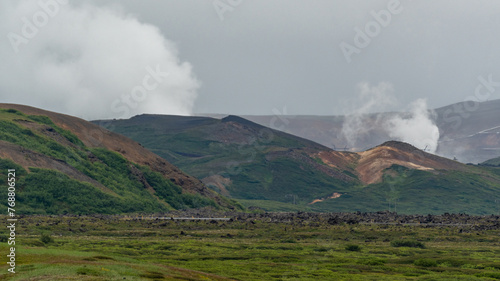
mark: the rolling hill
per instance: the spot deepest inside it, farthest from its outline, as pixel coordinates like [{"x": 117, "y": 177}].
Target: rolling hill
[
  {"x": 67, "y": 165},
  {"x": 237, "y": 157},
  {"x": 495, "y": 162},
  {"x": 274, "y": 170}
]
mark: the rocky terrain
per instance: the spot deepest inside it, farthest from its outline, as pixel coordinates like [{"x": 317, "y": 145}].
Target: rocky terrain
[{"x": 465, "y": 221}]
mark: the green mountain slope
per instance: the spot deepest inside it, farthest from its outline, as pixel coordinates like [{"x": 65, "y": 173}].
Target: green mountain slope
[
  {"x": 239, "y": 158},
  {"x": 58, "y": 172},
  {"x": 277, "y": 171},
  {"x": 420, "y": 192}
]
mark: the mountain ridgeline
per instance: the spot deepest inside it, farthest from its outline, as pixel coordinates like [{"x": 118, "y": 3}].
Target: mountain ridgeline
[
  {"x": 65, "y": 165},
  {"x": 277, "y": 171}
]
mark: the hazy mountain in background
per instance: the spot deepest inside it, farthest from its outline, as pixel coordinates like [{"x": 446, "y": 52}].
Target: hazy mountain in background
[{"x": 470, "y": 131}]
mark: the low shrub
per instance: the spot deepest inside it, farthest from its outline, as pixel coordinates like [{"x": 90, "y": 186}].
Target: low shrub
[
  {"x": 46, "y": 239},
  {"x": 425, "y": 263},
  {"x": 4, "y": 238},
  {"x": 353, "y": 248},
  {"x": 407, "y": 243}
]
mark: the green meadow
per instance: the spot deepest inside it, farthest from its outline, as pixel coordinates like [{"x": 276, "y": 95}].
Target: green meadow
[{"x": 121, "y": 248}]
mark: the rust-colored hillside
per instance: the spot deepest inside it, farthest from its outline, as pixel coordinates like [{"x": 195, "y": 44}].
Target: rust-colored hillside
[
  {"x": 94, "y": 136},
  {"x": 371, "y": 164}
]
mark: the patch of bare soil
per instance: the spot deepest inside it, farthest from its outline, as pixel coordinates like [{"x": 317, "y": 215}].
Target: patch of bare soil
[
  {"x": 333, "y": 196},
  {"x": 373, "y": 162},
  {"x": 219, "y": 182}
]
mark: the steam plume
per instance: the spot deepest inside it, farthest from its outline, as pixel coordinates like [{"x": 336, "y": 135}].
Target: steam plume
[
  {"x": 357, "y": 123},
  {"x": 418, "y": 129},
  {"x": 415, "y": 126},
  {"x": 88, "y": 61}
]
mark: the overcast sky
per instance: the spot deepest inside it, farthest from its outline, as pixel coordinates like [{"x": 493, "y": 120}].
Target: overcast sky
[{"x": 93, "y": 59}]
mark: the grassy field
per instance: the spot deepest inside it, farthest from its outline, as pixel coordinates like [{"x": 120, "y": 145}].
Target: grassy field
[{"x": 113, "y": 248}]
